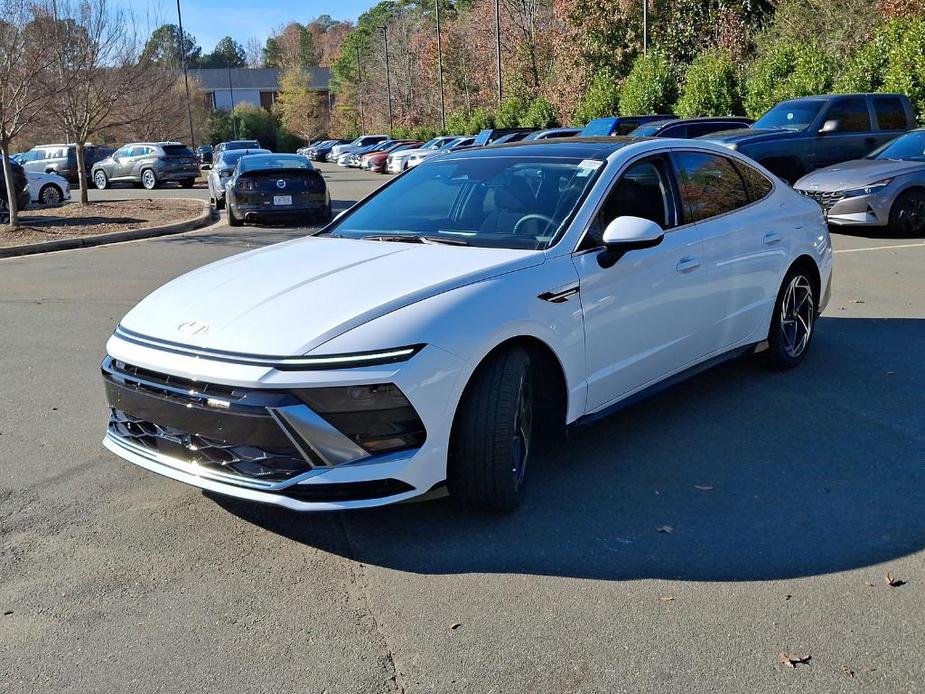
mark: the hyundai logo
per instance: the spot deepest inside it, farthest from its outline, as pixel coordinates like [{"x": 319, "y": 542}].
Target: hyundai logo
[{"x": 280, "y": 184}]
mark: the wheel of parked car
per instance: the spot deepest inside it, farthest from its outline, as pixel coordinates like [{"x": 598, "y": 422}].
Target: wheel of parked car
[
  {"x": 148, "y": 179},
  {"x": 100, "y": 180},
  {"x": 50, "y": 194},
  {"x": 233, "y": 221},
  {"x": 793, "y": 319},
  {"x": 907, "y": 216},
  {"x": 492, "y": 435}
]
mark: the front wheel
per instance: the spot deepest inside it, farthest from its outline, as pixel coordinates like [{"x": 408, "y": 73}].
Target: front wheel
[
  {"x": 148, "y": 180},
  {"x": 793, "y": 320},
  {"x": 907, "y": 215},
  {"x": 100, "y": 180},
  {"x": 50, "y": 194},
  {"x": 493, "y": 434}
]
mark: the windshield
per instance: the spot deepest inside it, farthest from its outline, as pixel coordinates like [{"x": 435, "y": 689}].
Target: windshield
[
  {"x": 790, "y": 115},
  {"x": 258, "y": 162},
  {"x": 500, "y": 202},
  {"x": 908, "y": 147},
  {"x": 242, "y": 144},
  {"x": 646, "y": 130},
  {"x": 598, "y": 127},
  {"x": 230, "y": 158}
]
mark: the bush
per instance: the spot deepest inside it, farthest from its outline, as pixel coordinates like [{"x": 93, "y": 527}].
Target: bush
[
  {"x": 540, "y": 114},
  {"x": 255, "y": 123},
  {"x": 892, "y": 61},
  {"x": 512, "y": 111},
  {"x": 457, "y": 123},
  {"x": 786, "y": 71},
  {"x": 479, "y": 119},
  {"x": 711, "y": 87},
  {"x": 651, "y": 86},
  {"x": 602, "y": 98}
]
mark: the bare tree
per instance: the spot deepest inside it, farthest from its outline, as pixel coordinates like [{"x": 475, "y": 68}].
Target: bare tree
[
  {"x": 23, "y": 96},
  {"x": 98, "y": 62},
  {"x": 254, "y": 52}
]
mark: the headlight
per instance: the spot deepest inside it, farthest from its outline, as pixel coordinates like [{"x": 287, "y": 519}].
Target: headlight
[
  {"x": 867, "y": 190},
  {"x": 379, "y": 418}
]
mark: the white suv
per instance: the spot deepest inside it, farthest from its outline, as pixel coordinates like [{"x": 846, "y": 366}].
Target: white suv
[{"x": 359, "y": 143}]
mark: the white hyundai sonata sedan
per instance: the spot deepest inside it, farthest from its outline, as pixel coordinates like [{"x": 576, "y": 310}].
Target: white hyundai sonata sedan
[{"x": 426, "y": 337}]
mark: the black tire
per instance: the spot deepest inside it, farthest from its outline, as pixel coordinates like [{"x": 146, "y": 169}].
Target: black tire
[
  {"x": 907, "y": 215},
  {"x": 50, "y": 194},
  {"x": 100, "y": 180},
  {"x": 219, "y": 203},
  {"x": 232, "y": 220},
  {"x": 148, "y": 179},
  {"x": 492, "y": 435},
  {"x": 794, "y": 318},
  {"x": 187, "y": 182}
]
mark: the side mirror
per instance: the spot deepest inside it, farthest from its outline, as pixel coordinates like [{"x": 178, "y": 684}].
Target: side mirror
[
  {"x": 830, "y": 126},
  {"x": 626, "y": 234}
]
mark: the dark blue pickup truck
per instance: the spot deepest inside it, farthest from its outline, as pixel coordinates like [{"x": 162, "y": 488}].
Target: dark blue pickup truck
[{"x": 801, "y": 135}]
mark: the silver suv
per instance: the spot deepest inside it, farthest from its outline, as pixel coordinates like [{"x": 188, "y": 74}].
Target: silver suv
[{"x": 148, "y": 163}]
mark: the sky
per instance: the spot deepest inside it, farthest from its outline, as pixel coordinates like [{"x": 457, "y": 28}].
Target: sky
[{"x": 210, "y": 20}]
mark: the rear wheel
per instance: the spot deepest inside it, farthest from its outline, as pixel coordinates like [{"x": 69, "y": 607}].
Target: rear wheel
[
  {"x": 907, "y": 216},
  {"x": 50, "y": 194},
  {"x": 148, "y": 180},
  {"x": 100, "y": 180},
  {"x": 232, "y": 220},
  {"x": 793, "y": 320},
  {"x": 493, "y": 433}
]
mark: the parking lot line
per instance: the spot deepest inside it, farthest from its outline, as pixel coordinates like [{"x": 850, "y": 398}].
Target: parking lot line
[{"x": 882, "y": 248}]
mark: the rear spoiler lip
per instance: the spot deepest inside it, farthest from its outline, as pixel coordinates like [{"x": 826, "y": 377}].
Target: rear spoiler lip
[{"x": 274, "y": 172}]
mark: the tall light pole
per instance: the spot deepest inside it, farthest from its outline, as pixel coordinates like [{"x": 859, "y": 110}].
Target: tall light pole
[
  {"x": 388, "y": 78},
  {"x": 189, "y": 105},
  {"x": 498, "y": 44},
  {"x": 234, "y": 122},
  {"x": 360, "y": 88},
  {"x": 645, "y": 27},
  {"x": 440, "y": 67}
]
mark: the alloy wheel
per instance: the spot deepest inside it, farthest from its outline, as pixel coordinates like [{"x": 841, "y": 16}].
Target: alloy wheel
[
  {"x": 51, "y": 195},
  {"x": 148, "y": 180},
  {"x": 523, "y": 428},
  {"x": 797, "y": 312},
  {"x": 100, "y": 180},
  {"x": 910, "y": 216}
]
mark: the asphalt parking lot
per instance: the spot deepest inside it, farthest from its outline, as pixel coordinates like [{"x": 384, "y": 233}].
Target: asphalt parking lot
[{"x": 787, "y": 498}]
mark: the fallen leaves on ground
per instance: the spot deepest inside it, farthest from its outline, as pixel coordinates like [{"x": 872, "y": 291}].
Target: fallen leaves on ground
[
  {"x": 664, "y": 529},
  {"x": 848, "y": 671},
  {"x": 892, "y": 582},
  {"x": 856, "y": 301},
  {"x": 791, "y": 660},
  {"x": 455, "y": 625},
  {"x": 665, "y": 598}
]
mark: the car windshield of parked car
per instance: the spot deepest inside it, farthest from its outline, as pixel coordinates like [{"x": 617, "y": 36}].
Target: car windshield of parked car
[
  {"x": 229, "y": 158},
  {"x": 243, "y": 144},
  {"x": 261, "y": 162},
  {"x": 908, "y": 147},
  {"x": 599, "y": 127},
  {"x": 790, "y": 115},
  {"x": 648, "y": 130},
  {"x": 497, "y": 202}
]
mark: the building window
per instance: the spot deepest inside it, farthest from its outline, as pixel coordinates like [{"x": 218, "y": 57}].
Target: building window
[{"x": 267, "y": 99}]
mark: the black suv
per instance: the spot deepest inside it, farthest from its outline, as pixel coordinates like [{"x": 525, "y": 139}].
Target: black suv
[
  {"x": 20, "y": 184},
  {"x": 62, "y": 159},
  {"x": 801, "y": 135},
  {"x": 235, "y": 144},
  {"x": 148, "y": 163},
  {"x": 690, "y": 127}
]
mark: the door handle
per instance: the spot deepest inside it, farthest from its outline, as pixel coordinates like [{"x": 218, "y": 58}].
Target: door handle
[
  {"x": 772, "y": 238},
  {"x": 688, "y": 264}
]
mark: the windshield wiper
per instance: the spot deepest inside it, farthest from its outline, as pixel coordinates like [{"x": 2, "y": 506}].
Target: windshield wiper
[
  {"x": 444, "y": 240},
  {"x": 414, "y": 238}
]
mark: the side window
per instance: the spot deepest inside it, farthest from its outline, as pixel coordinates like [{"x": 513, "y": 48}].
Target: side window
[
  {"x": 710, "y": 185},
  {"x": 676, "y": 131},
  {"x": 890, "y": 113},
  {"x": 757, "y": 185},
  {"x": 852, "y": 114},
  {"x": 122, "y": 152},
  {"x": 642, "y": 191}
]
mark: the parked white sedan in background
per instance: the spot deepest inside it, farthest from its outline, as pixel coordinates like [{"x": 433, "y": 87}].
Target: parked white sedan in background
[
  {"x": 48, "y": 188},
  {"x": 430, "y": 333}
]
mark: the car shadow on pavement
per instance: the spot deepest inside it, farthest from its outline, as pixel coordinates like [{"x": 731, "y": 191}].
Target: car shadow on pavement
[{"x": 741, "y": 473}]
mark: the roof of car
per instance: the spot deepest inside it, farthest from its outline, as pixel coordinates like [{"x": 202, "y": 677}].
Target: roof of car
[{"x": 572, "y": 147}]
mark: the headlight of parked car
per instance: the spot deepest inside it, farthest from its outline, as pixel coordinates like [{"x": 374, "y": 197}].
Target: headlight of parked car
[
  {"x": 867, "y": 190},
  {"x": 379, "y": 418}
]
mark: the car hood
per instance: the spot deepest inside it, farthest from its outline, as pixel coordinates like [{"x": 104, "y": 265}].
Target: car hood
[
  {"x": 856, "y": 173},
  {"x": 747, "y": 135},
  {"x": 290, "y": 298}
]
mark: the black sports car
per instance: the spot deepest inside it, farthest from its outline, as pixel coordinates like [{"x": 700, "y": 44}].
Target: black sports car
[{"x": 276, "y": 188}]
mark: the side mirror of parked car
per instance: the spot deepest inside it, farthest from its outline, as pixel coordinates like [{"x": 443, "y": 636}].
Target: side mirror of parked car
[
  {"x": 830, "y": 126},
  {"x": 626, "y": 234}
]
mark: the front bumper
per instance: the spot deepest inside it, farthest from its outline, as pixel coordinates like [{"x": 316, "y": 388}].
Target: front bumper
[
  {"x": 858, "y": 210},
  {"x": 326, "y": 471}
]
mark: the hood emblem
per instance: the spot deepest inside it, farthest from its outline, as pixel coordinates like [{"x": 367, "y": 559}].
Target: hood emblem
[
  {"x": 192, "y": 327},
  {"x": 281, "y": 184}
]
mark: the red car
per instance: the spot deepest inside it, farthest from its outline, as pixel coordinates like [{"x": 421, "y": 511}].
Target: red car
[{"x": 375, "y": 161}]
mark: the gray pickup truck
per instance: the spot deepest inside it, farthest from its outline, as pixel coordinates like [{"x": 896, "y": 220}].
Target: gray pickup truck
[{"x": 801, "y": 135}]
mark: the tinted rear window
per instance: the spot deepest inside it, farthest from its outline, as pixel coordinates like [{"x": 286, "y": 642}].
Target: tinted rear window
[
  {"x": 890, "y": 113},
  {"x": 259, "y": 162},
  {"x": 177, "y": 151}
]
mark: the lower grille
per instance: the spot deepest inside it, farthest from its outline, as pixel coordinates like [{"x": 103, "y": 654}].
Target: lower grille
[
  {"x": 249, "y": 462},
  {"x": 826, "y": 199}
]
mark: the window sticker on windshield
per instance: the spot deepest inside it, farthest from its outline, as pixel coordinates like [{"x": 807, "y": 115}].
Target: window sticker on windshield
[{"x": 588, "y": 167}]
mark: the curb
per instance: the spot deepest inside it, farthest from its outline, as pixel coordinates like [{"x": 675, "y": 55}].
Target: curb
[{"x": 113, "y": 237}]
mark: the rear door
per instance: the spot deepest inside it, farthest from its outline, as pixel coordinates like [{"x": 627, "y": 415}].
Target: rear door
[
  {"x": 644, "y": 315},
  {"x": 743, "y": 246},
  {"x": 890, "y": 116}
]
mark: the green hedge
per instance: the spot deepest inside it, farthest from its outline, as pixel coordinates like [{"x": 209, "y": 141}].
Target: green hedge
[
  {"x": 711, "y": 87},
  {"x": 650, "y": 87},
  {"x": 786, "y": 71},
  {"x": 602, "y": 98},
  {"x": 540, "y": 114}
]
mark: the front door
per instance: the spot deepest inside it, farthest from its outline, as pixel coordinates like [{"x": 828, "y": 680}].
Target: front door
[
  {"x": 643, "y": 316},
  {"x": 853, "y": 139}
]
